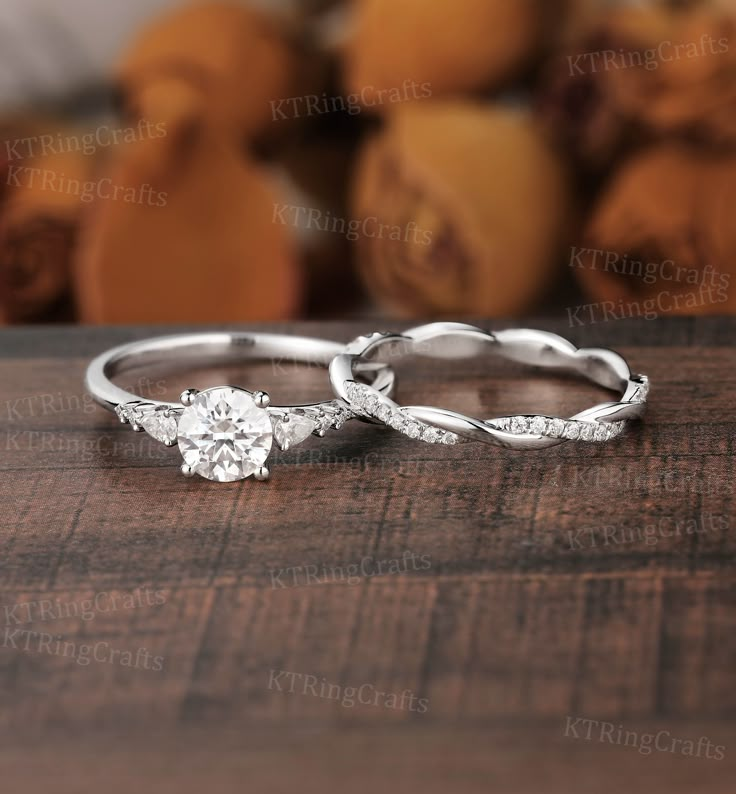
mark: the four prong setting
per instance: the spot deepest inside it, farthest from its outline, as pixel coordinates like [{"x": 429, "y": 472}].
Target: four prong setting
[
  {"x": 188, "y": 396},
  {"x": 262, "y": 474},
  {"x": 224, "y": 434},
  {"x": 262, "y": 399}
]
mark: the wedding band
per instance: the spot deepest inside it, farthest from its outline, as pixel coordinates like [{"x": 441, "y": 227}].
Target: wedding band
[
  {"x": 605, "y": 368},
  {"x": 225, "y": 433}
]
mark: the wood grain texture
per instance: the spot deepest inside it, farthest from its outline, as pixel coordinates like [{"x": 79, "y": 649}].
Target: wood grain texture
[{"x": 584, "y": 581}]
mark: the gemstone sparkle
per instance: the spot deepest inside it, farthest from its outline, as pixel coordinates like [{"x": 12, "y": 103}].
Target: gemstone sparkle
[
  {"x": 292, "y": 432},
  {"x": 223, "y": 435}
]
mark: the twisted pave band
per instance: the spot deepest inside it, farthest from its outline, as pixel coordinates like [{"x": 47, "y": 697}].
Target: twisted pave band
[
  {"x": 600, "y": 423},
  {"x": 225, "y": 433}
]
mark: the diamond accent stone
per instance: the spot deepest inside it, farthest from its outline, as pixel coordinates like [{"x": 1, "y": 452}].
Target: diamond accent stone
[
  {"x": 616, "y": 428},
  {"x": 398, "y": 422},
  {"x": 431, "y": 435},
  {"x": 600, "y": 433},
  {"x": 223, "y": 435},
  {"x": 334, "y": 416},
  {"x": 383, "y": 412},
  {"x": 538, "y": 425},
  {"x": 130, "y": 413},
  {"x": 159, "y": 426},
  {"x": 290, "y": 430},
  {"x": 586, "y": 433},
  {"x": 352, "y": 391},
  {"x": 520, "y": 425},
  {"x": 322, "y": 424},
  {"x": 556, "y": 428},
  {"x": 643, "y": 391},
  {"x": 413, "y": 430},
  {"x": 572, "y": 431}
]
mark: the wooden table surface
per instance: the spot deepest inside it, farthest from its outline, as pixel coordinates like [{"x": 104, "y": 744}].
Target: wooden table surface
[{"x": 587, "y": 581}]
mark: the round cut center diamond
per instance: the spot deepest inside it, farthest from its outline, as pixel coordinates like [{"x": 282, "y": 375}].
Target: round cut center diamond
[{"x": 223, "y": 435}]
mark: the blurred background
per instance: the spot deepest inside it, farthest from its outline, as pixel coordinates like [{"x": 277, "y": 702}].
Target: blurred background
[{"x": 178, "y": 161}]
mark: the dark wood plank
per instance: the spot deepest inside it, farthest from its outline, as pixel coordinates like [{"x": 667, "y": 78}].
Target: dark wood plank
[{"x": 515, "y": 590}]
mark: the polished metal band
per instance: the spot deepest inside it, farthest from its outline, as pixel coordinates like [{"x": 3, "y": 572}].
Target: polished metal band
[{"x": 537, "y": 348}]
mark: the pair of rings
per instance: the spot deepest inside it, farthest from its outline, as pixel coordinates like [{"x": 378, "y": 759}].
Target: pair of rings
[{"x": 226, "y": 433}]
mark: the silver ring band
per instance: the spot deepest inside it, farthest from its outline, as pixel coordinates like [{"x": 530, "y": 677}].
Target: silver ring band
[
  {"x": 606, "y": 368},
  {"x": 198, "y": 422}
]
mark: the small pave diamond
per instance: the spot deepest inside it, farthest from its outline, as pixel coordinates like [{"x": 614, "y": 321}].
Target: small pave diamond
[
  {"x": 556, "y": 428},
  {"x": 538, "y": 425},
  {"x": 398, "y": 422},
  {"x": 383, "y": 412},
  {"x": 520, "y": 424},
  {"x": 416, "y": 430},
  {"x": 331, "y": 416},
  {"x": 586, "y": 433},
  {"x": 616, "y": 428},
  {"x": 572, "y": 431},
  {"x": 643, "y": 391},
  {"x": 413, "y": 430},
  {"x": 600, "y": 433},
  {"x": 323, "y": 422},
  {"x": 360, "y": 398},
  {"x": 132, "y": 413},
  {"x": 431, "y": 435}
]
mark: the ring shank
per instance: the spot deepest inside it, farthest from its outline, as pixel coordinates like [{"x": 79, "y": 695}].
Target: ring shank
[{"x": 212, "y": 348}]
